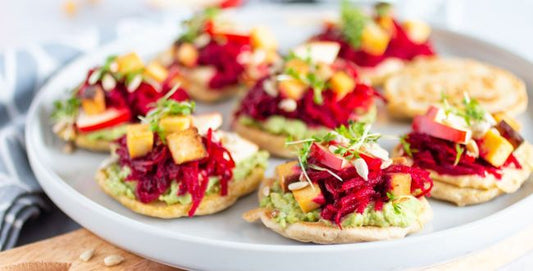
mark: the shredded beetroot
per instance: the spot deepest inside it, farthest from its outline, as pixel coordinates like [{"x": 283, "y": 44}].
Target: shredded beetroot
[
  {"x": 400, "y": 46},
  {"x": 439, "y": 155},
  {"x": 259, "y": 105},
  {"x": 139, "y": 100},
  {"x": 224, "y": 57},
  {"x": 155, "y": 171},
  {"x": 354, "y": 193}
]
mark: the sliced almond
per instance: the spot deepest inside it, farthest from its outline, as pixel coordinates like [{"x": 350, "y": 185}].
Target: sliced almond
[
  {"x": 472, "y": 149},
  {"x": 361, "y": 167},
  {"x": 113, "y": 260},
  {"x": 134, "y": 83},
  {"x": 288, "y": 105},
  {"x": 108, "y": 82},
  {"x": 87, "y": 255},
  {"x": 297, "y": 186}
]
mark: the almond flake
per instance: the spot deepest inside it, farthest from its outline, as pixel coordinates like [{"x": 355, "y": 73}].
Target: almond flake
[
  {"x": 87, "y": 255},
  {"x": 108, "y": 82},
  {"x": 288, "y": 105},
  {"x": 135, "y": 83},
  {"x": 298, "y": 185},
  {"x": 113, "y": 260},
  {"x": 361, "y": 167}
]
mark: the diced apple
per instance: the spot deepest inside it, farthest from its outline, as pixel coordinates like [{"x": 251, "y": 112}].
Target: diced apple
[
  {"x": 172, "y": 124},
  {"x": 494, "y": 148},
  {"x": 129, "y": 63},
  {"x": 308, "y": 198},
  {"x": 139, "y": 140},
  {"x": 187, "y": 55},
  {"x": 286, "y": 172},
  {"x": 292, "y": 88},
  {"x": 156, "y": 71},
  {"x": 186, "y": 146},
  {"x": 400, "y": 184},
  {"x": 374, "y": 39},
  {"x": 327, "y": 158},
  {"x": 417, "y": 31},
  {"x": 510, "y": 120},
  {"x": 207, "y": 121},
  {"x": 262, "y": 37},
  {"x": 109, "y": 118},
  {"x": 507, "y": 131},
  {"x": 425, "y": 125},
  {"x": 93, "y": 100},
  {"x": 297, "y": 65},
  {"x": 342, "y": 84},
  {"x": 318, "y": 51},
  {"x": 435, "y": 113}
]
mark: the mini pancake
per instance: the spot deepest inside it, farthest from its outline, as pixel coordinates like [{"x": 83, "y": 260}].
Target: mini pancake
[
  {"x": 83, "y": 141},
  {"x": 474, "y": 189},
  {"x": 421, "y": 84},
  {"x": 210, "y": 203},
  {"x": 378, "y": 75},
  {"x": 274, "y": 144},
  {"x": 198, "y": 88},
  {"x": 322, "y": 233}
]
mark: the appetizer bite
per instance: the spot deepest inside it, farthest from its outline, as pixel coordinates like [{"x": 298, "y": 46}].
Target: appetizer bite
[
  {"x": 344, "y": 189},
  {"x": 218, "y": 59},
  {"x": 311, "y": 93},
  {"x": 472, "y": 156},
  {"x": 420, "y": 84},
  {"x": 111, "y": 96},
  {"x": 174, "y": 164},
  {"x": 379, "y": 44}
]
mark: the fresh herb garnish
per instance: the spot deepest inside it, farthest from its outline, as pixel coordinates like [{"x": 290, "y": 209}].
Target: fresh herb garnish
[
  {"x": 99, "y": 73},
  {"x": 353, "y": 22},
  {"x": 406, "y": 145},
  {"x": 166, "y": 107},
  {"x": 459, "y": 152},
  {"x": 66, "y": 110},
  {"x": 311, "y": 78},
  {"x": 195, "y": 26},
  {"x": 382, "y": 9},
  {"x": 473, "y": 112},
  {"x": 397, "y": 208}
]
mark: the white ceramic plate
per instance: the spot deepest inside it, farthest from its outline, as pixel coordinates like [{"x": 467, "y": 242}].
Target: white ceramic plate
[{"x": 224, "y": 241}]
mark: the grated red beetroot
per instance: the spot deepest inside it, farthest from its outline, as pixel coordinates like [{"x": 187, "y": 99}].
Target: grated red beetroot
[
  {"x": 224, "y": 57},
  {"x": 342, "y": 198},
  {"x": 139, "y": 100},
  {"x": 439, "y": 155},
  {"x": 155, "y": 171},
  {"x": 259, "y": 105},
  {"x": 400, "y": 46}
]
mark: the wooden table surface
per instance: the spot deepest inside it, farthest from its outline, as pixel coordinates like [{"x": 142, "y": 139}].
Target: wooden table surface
[{"x": 63, "y": 252}]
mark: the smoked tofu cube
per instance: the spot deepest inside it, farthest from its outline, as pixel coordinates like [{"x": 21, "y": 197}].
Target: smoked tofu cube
[
  {"x": 262, "y": 37},
  {"x": 417, "y": 31},
  {"x": 286, "y": 171},
  {"x": 173, "y": 124},
  {"x": 186, "y": 146},
  {"x": 139, "y": 139},
  {"x": 308, "y": 198},
  {"x": 342, "y": 84},
  {"x": 187, "y": 55},
  {"x": 129, "y": 63},
  {"x": 374, "y": 39},
  {"x": 292, "y": 88},
  {"x": 93, "y": 100},
  {"x": 400, "y": 184},
  {"x": 387, "y": 23},
  {"x": 156, "y": 71},
  {"x": 494, "y": 148}
]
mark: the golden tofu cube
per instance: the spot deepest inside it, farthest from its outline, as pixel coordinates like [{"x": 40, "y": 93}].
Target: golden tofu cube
[
  {"x": 387, "y": 23},
  {"x": 292, "y": 88},
  {"x": 186, "y": 146},
  {"x": 129, "y": 63},
  {"x": 494, "y": 148},
  {"x": 284, "y": 171},
  {"x": 374, "y": 39},
  {"x": 400, "y": 184},
  {"x": 417, "y": 31},
  {"x": 139, "y": 139},
  {"x": 308, "y": 198},
  {"x": 342, "y": 84},
  {"x": 156, "y": 71},
  {"x": 187, "y": 55},
  {"x": 298, "y": 65},
  {"x": 174, "y": 124},
  {"x": 262, "y": 37},
  {"x": 501, "y": 116},
  {"x": 93, "y": 100}
]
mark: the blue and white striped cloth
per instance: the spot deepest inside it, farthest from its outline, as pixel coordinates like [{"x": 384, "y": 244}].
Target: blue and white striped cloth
[{"x": 22, "y": 72}]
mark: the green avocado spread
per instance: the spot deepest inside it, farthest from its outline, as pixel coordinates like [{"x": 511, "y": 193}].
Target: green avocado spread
[
  {"x": 109, "y": 134},
  {"x": 119, "y": 186},
  {"x": 400, "y": 214},
  {"x": 294, "y": 128}
]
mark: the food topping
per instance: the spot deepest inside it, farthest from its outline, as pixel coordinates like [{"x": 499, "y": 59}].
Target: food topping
[
  {"x": 367, "y": 41},
  {"x": 462, "y": 139}
]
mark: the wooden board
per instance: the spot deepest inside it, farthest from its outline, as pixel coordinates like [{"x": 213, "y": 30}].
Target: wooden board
[{"x": 63, "y": 252}]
